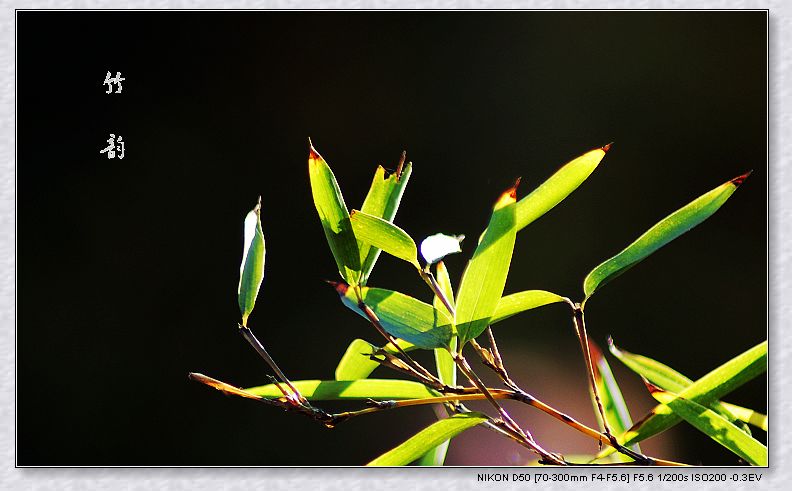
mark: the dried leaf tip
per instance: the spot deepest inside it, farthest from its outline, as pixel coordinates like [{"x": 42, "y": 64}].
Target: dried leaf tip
[
  {"x": 607, "y": 147},
  {"x": 400, "y": 167},
  {"x": 740, "y": 179},
  {"x": 509, "y": 196},
  {"x": 257, "y": 208},
  {"x": 653, "y": 389},
  {"x": 312, "y": 153},
  {"x": 339, "y": 286}
]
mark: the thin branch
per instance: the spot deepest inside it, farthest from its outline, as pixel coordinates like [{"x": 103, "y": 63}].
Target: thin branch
[{"x": 251, "y": 338}]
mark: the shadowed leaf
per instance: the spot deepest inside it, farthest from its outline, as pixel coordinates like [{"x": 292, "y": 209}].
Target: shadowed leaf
[
  {"x": 431, "y": 436},
  {"x": 713, "y": 425},
  {"x": 661, "y": 234}
]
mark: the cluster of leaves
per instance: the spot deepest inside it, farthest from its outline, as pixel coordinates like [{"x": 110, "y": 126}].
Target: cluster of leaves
[{"x": 453, "y": 321}]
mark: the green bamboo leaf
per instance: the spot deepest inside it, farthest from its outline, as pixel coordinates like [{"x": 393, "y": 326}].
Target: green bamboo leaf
[
  {"x": 713, "y": 425},
  {"x": 485, "y": 275},
  {"x": 711, "y": 387},
  {"x": 557, "y": 187},
  {"x": 431, "y": 436},
  {"x": 382, "y": 201},
  {"x": 446, "y": 368},
  {"x": 251, "y": 271},
  {"x": 669, "y": 379},
  {"x": 356, "y": 364},
  {"x": 616, "y": 413},
  {"x": 333, "y": 213},
  {"x": 661, "y": 234},
  {"x": 341, "y": 390},
  {"x": 384, "y": 235},
  {"x": 521, "y": 301},
  {"x": 402, "y": 316}
]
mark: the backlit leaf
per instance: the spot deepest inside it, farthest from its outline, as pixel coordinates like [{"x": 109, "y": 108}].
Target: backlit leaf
[
  {"x": 661, "y": 234},
  {"x": 485, "y": 275},
  {"x": 251, "y": 271},
  {"x": 521, "y": 301},
  {"x": 356, "y": 364},
  {"x": 384, "y": 235},
  {"x": 327, "y": 390},
  {"x": 402, "y": 316},
  {"x": 557, "y": 187},
  {"x": 714, "y": 425},
  {"x": 333, "y": 213},
  {"x": 382, "y": 201},
  {"x": 431, "y": 436}
]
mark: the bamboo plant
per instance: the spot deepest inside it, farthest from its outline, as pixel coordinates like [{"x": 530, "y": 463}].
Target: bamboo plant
[{"x": 459, "y": 322}]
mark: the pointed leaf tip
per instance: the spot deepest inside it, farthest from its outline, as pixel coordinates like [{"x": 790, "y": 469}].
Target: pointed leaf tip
[
  {"x": 339, "y": 286},
  {"x": 741, "y": 178},
  {"x": 607, "y": 147},
  {"x": 400, "y": 167},
  {"x": 653, "y": 389}
]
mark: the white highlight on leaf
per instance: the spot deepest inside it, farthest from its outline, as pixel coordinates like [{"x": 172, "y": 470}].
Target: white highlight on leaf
[
  {"x": 251, "y": 225},
  {"x": 437, "y": 246}
]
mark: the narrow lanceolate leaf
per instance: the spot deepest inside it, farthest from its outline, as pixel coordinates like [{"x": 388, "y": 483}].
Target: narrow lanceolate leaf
[
  {"x": 557, "y": 187},
  {"x": 713, "y": 425},
  {"x": 711, "y": 387},
  {"x": 382, "y": 201},
  {"x": 661, "y": 234},
  {"x": 521, "y": 301},
  {"x": 429, "y": 437},
  {"x": 375, "y": 231},
  {"x": 435, "y": 247},
  {"x": 356, "y": 364},
  {"x": 331, "y": 390},
  {"x": 485, "y": 275},
  {"x": 402, "y": 316},
  {"x": 616, "y": 413},
  {"x": 669, "y": 379},
  {"x": 333, "y": 213},
  {"x": 251, "y": 271}
]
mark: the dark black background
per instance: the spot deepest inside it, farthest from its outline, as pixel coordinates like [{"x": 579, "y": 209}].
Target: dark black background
[{"x": 127, "y": 269}]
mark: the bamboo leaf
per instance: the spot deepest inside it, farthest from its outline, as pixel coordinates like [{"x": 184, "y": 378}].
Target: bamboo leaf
[
  {"x": 435, "y": 247},
  {"x": 557, "y": 187},
  {"x": 384, "y": 235},
  {"x": 669, "y": 379},
  {"x": 661, "y": 234},
  {"x": 704, "y": 391},
  {"x": 333, "y": 213},
  {"x": 431, "y": 436},
  {"x": 485, "y": 275},
  {"x": 382, "y": 201},
  {"x": 402, "y": 316},
  {"x": 251, "y": 271},
  {"x": 616, "y": 413},
  {"x": 521, "y": 301},
  {"x": 713, "y": 425},
  {"x": 356, "y": 364},
  {"x": 331, "y": 390}
]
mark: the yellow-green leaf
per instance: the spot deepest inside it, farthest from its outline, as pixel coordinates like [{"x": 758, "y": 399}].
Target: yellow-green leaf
[
  {"x": 557, "y": 187},
  {"x": 384, "y": 235},
  {"x": 251, "y": 271},
  {"x": 431, "y": 436},
  {"x": 669, "y": 379},
  {"x": 402, "y": 316},
  {"x": 333, "y": 213},
  {"x": 713, "y": 425},
  {"x": 327, "y": 390},
  {"x": 382, "y": 201},
  {"x": 356, "y": 364},
  {"x": 661, "y": 234},
  {"x": 521, "y": 301},
  {"x": 485, "y": 275}
]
